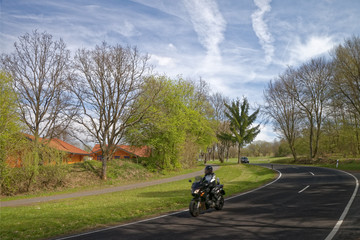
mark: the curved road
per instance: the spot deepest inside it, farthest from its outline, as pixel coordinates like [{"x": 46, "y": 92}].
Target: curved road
[{"x": 304, "y": 203}]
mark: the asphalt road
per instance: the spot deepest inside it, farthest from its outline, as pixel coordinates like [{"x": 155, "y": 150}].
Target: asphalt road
[{"x": 304, "y": 203}]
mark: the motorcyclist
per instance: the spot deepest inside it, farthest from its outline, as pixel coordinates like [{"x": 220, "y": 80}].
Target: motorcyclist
[{"x": 210, "y": 182}]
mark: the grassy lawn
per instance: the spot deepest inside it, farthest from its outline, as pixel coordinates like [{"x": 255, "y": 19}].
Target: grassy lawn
[
  {"x": 141, "y": 177},
  {"x": 260, "y": 160},
  {"x": 345, "y": 165},
  {"x": 74, "y": 215}
]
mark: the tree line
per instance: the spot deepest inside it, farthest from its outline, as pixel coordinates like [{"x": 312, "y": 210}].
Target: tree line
[
  {"x": 110, "y": 95},
  {"x": 315, "y": 107}
]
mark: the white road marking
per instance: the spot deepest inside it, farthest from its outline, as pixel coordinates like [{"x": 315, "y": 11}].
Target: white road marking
[
  {"x": 241, "y": 194},
  {"x": 346, "y": 210},
  {"x": 304, "y": 189},
  {"x": 312, "y": 173}
]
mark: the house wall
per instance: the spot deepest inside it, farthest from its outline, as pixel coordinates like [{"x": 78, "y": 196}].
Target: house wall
[
  {"x": 74, "y": 158},
  {"x": 119, "y": 154},
  {"x": 122, "y": 154},
  {"x": 17, "y": 161},
  {"x": 14, "y": 161}
]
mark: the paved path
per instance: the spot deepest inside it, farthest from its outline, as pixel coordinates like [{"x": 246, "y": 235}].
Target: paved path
[{"x": 22, "y": 202}]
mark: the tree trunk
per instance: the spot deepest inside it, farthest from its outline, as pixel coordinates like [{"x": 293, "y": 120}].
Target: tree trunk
[
  {"x": 221, "y": 152},
  {"x": 293, "y": 153},
  {"x": 104, "y": 166},
  {"x": 227, "y": 153},
  {"x": 292, "y": 148},
  {"x": 357, "y": 135},
  {"x": 311, "y": 138},
  {"x": 213, "y": 152},
  {"x": 316, "y": 149},
  {"x": 239, "y": 154}
]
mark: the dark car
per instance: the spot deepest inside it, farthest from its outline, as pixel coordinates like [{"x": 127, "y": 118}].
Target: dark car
[{"x": 244, "y": 160}]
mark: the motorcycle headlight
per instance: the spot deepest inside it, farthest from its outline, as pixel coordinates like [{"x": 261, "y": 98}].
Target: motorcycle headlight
[{"x": 196, "y": 191}]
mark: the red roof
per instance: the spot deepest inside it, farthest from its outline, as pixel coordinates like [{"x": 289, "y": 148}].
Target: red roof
[
  {"x": 60, "y": 145},
  {"x": 142, "y": 151}
]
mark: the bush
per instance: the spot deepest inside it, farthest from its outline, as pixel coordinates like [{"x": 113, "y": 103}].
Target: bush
[
  {"x": 126, "y": 170},
  {"x": 41, "y": 167},
  {"x": 52, "y": 176}
]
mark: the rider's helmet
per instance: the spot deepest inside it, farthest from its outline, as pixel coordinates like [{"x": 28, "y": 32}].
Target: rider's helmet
[{"x": 208, "y": 170}]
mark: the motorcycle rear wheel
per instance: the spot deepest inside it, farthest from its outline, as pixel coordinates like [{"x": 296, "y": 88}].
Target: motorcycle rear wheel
[
  {"x": 220, "y": 203},
  {"x": 193, "y": 208}
]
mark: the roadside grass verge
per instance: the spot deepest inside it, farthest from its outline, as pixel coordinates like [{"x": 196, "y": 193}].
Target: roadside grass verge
[
  {"x": 345, "y": 165},
  {"x": 120, "y": 173},
  {"x": 352, "y": 165},
  {"x": 52, "y": 219}
]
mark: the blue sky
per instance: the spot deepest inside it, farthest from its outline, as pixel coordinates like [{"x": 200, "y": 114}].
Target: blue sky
[{"x": 237, "y": 46}]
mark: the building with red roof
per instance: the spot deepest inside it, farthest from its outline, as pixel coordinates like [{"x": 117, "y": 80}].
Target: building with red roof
[
  {"x": 74, "y": 154},
  {"x": 123, "y": 152}
]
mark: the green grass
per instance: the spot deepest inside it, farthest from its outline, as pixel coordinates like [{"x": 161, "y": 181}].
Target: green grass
[
  {"x": 114, "y": 172},
  {"x": 72, "y": 215},
  {"x": 352, "y": 165},
  {"x": 345, "y": 165},
  {"x": 258, "y": 160}
]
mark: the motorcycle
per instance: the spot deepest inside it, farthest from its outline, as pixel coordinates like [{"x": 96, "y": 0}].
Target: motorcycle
[{"x": 202, "y": 199}]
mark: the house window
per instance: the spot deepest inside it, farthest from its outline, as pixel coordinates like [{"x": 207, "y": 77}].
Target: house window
[
  {"x": 117, "y": 157},
  {"x": 126, "y": 156},
  {"x": 99, "y": 157}
]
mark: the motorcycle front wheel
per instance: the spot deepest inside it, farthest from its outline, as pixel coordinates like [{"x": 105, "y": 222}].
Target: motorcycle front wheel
[
  {"x": 193, "y": 208},
  {"x": 220, "y": 203}
]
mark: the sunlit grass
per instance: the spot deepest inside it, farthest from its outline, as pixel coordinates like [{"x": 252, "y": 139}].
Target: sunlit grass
[
  {"x": 110, "y": 183},
  {"x": 343, "y": 164},
  {"x": 67, "y": 216}
]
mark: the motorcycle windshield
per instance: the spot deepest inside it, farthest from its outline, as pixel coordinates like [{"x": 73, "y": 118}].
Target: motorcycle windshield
[{"x": 196, "y": 185}]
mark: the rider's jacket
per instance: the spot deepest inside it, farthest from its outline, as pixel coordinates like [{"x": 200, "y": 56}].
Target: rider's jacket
[{"x": 211, "y": 179}]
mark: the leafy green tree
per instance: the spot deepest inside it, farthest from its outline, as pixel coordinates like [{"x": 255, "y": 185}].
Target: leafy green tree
[
  {"x": 10, "y": 127},
  {"x": 241, "y": 123},
  {"x": 174, "y": 127},
  {"x": 9, "y": 119}
]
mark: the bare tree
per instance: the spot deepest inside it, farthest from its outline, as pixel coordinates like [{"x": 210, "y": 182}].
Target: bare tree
[
  {"x": 346, "y": 82},
  {"x": 313, "y": 83},
  {"x": 298, "y": 94},
  {"x": 40, "y": 69},
  {"x": 347, "y": 72},
  {"x": 109, "y": 85},
  {"x": 223, "y": 145},
  {"x": 282, "y": 108}
]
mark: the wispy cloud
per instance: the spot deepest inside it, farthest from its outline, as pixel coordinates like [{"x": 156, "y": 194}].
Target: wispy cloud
[
  {"x": 162, "y": 61},
  {"x": 261, "y": 29},
  {"x": 209, "y": 25},
  {"x": 312, "y": 47}
]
